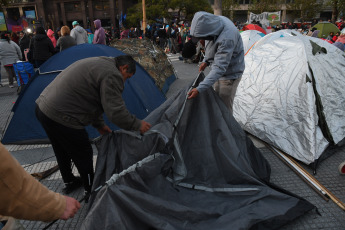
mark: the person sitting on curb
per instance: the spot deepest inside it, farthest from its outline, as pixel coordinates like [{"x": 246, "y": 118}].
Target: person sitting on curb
[{"x": 23, "y": 197}]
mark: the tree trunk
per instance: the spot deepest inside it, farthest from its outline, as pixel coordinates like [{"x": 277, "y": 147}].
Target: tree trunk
[
  {"x": 335, "y": 11},
  {"x": 217, "y": 7}
]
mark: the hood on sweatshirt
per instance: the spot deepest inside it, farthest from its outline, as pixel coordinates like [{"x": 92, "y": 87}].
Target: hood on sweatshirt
[
  {"x": 79, "y": 29},
  {"x": 50, "y": 33},
  {"x": 206, "y": 25},
  {"x": 97, "y": 24}
]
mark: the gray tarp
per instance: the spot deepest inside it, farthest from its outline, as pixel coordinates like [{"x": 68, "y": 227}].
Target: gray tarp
[{"x": 210, "y": 176}]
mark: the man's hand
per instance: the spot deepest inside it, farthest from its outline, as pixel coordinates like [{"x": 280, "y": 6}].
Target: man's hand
[
  {"x": 72, "y": 206},
  {"x": 144, "y": 127},
  {"x": 103, "y": 130},
  {"x": 202, "y": 66},
  {"x": 193, "y": 93}
]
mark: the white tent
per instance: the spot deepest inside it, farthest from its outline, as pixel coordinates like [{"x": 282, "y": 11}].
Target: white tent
[
  {"x": 249, "y": 38},
  {"x": 292, "y": 94}
]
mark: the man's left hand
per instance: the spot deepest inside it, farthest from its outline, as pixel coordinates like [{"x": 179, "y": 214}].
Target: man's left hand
[
  {"x": 103, "y": 130},
  {"x": 193, "y": 93}
]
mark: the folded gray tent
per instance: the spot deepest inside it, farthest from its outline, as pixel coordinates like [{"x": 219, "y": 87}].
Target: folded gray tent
[{"x": 195, "y": 169}]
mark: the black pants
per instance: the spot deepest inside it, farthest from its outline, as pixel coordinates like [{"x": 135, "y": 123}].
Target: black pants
[{"x": 69, "y": 145}]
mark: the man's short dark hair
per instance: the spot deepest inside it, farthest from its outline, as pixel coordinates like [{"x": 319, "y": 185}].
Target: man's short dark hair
[{"x": 126, "y": 60}]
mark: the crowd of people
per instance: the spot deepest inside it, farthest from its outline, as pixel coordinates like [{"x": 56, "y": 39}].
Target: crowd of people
[{"x": 39, "y": 46}]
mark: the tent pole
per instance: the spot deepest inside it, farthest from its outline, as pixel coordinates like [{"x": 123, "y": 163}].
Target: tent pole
[
  {"x": 292, "y": 163},
  {"x": 300, "y": 174}
]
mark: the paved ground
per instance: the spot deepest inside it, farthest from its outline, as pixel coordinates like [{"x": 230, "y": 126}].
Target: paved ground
[{"x": 331, "y": 216}]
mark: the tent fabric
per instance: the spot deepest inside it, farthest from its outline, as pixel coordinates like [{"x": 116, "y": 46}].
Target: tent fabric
[
  {"x": 254, "y": 27},
  {"x": 325, "y": 28},
  {"x": 149, "y": 56},
  {"x": 203, "y": 174},
  {"x": 141, "y": 95},
  {"x": 291, "y": 94},
  {"x": 249, "y": 38}
]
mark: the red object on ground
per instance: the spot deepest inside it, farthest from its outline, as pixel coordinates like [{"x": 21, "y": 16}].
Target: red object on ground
[
  {"x": 342, "y": 168},
  {"x": 254, "y": 27}
]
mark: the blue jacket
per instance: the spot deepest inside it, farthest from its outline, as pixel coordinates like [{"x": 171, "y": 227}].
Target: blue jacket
[{"x": 225, "y": 51}]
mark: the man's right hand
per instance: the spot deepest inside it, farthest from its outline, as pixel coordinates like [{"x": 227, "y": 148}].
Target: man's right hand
[
  {"x": 72, "y": 206},
  {"x": 202, "y": 66},
  {"x": 145, "y": 126}
]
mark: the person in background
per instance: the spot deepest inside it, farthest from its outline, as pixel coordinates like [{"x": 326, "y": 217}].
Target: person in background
[
  {"x": 57, "y": 33},
  {"x": 99, "y": 35},
  {"x": 65, "y": 41},
  {"x": 24, "y": 43},
  {"x": 124, "y": 33},
  {"x": 336, "y": 36},
  {"x": 162, "y": 34},
  {"x": 23, "y": 197},
  {"x": 15, "y": 37},
  {"x": 330, "y": 36},
  {"x": 132, "y": 33},
  {"x": 224, "y": 49},
  {"x": 78, "y": 97},
  {"x": 9, "y": 54},
  {"x": 42, "y": 47},
  {"x": 50, "y": 34},
  {"x": 108, "y": 37},
  {"x": 79, "y": 33}
]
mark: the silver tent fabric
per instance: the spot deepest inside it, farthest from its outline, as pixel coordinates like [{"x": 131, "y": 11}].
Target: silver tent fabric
[
  {"x": 195, "y": 169},
  {"x": 249, "y": 38},
  {"x": 276, "y": 99}
]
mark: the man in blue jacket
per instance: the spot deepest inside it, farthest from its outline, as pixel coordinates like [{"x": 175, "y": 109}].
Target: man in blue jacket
[{"x": 224, "y": 52}]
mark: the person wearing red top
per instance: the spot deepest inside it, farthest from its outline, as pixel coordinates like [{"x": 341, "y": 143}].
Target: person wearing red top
[{"x": 50, "y": 34}]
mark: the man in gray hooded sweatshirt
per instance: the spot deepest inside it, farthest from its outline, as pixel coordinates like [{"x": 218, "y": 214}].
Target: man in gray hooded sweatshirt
[
  {"x": 224, "y": 52},
  {"x": 78, "y": 33}
]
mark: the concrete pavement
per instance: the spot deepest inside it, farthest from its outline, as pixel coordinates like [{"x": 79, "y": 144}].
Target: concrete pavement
[{"x": 331, "y": 216}]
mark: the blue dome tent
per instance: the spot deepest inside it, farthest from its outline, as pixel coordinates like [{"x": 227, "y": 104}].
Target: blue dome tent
[{"x": 141, "y": 95}]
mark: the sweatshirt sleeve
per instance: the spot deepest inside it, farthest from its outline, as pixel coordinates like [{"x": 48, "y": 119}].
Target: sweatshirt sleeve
[
  {"x": 220, "y": 64},
  {"x": 114, "y": 105},
  {"x": 22, "y": 196}
]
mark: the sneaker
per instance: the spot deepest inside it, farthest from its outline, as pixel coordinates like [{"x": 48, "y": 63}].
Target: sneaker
[
  {"x": 71, "y": 186},
  {"x": 11, "y": 86},
  {"x": 1, "y": 85}
]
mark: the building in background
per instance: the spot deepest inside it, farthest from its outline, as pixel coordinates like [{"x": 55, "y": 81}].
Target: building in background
[
  {"x": 242, "y": 11},
  {"x": 51, "y": 14}
]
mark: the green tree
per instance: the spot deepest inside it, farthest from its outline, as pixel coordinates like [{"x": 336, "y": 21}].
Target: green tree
[
  {"x": 187, "y": 8},
  {"x": 228, "y": 8},
  {"x": 260, "y": 6},
  {"x": 305, "y": 9},
  {"x": 155, "y": 9},
  {"x": 338, "y": 8},
  {"x": 4, "y": 3},
  {"x": 158, "y": 9}
]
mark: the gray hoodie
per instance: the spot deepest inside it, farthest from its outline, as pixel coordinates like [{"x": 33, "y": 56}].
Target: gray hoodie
[
  {"x": 79, "y": 34},
  {"x": 225, "y": 51}
]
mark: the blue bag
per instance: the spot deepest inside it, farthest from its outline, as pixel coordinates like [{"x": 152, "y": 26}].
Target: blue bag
[{"x": 24, "y": 71}]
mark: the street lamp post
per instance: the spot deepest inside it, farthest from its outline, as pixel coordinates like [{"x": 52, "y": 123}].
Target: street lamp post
[{"x": 144, "y": 16}]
